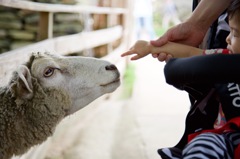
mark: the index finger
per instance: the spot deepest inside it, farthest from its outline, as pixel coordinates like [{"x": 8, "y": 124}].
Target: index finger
[{"x": 127, "y": 53}]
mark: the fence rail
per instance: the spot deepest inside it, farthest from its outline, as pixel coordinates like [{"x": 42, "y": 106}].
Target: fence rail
[
  {"x": 87, "y": 39},
  {"x": 42, "y": 7}
]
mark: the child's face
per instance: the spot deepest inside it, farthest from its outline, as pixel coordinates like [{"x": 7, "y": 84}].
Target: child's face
[{"x": 233, "y": 38}]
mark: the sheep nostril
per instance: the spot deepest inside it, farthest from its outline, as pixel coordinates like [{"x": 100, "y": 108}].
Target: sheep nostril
[{"x": 111, "y": 67}]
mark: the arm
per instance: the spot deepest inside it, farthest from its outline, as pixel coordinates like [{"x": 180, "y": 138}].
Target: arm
[
  {"x": 143, "y": 48},
  {"x": 207, "y": 12},
  {"x": 217, "y": 68},
  {"x": 193, "y": 30}
]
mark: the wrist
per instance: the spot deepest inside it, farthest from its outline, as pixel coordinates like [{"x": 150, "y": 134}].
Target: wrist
[
  {"x": 196, "y": 51},
  {"x": 200, "y": 24}
]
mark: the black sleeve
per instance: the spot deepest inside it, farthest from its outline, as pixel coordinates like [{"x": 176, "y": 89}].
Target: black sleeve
[{"x": 209, "y": 69}]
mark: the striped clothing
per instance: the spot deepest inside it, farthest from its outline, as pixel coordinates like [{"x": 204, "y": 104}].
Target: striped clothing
[
  {"x": 209, "y": 144},
  {"x": 224, "y": 141}
]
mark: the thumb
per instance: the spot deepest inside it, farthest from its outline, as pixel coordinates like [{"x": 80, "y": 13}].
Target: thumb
[{"x": 160, "y": 41}]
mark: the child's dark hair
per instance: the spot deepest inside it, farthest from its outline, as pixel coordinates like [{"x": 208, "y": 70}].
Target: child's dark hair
[{"x": 234, "y": 9}]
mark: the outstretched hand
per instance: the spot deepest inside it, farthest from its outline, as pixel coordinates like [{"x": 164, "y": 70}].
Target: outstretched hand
[{"x": 140, "y": 49}]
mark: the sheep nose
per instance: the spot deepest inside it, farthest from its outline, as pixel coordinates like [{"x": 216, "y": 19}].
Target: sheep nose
[{"x": 111, "y": 67}]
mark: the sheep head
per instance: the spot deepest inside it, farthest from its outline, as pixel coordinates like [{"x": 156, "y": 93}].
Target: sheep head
[{"x": 83, "y": 78}]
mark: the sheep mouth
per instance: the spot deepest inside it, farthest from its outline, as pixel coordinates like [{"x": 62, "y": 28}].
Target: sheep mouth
[{"x": 113, "y": 82}]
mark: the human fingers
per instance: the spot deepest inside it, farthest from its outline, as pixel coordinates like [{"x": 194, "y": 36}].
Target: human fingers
[
  {"x": 168, "y": 57},
  {"x": 136, "y": 57},
  {"x": 127, "y": 53},
  {"x": 155, "y": 55},
  {"x": 167, "y": 36},
  {"x": 160, "y": 41},
  {"x": 162, "y": 56}
]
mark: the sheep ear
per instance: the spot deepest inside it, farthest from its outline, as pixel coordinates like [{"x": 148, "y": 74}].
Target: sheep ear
[{"x": 24, "y": 88}]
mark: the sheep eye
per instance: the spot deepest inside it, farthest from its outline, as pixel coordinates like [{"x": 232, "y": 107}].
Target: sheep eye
[{"x": 49, "y": 72}]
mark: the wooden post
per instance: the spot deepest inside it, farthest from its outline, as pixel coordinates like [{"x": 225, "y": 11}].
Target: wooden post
[
  {"x": 45, "y": 29},
  {"x": 100, "y": 22},
  {"x": 110, "y": 22},
  {"x": 127, "y": 21}
]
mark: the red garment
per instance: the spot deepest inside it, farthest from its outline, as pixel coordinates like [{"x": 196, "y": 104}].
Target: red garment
[
  {"x": 216, "y": 51},
  {"x": 228, "y": 127}
]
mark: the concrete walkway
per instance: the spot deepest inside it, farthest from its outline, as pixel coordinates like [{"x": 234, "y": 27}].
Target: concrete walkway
[
  {"x": 122, "y": 129},
  {"x": 160, "y": 109}
]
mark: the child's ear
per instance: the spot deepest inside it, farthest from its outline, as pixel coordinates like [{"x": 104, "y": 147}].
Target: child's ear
[{"x": 22, "y": 86}]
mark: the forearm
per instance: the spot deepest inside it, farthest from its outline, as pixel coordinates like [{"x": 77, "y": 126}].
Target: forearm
[
  {"x": 186, "y": 51},
  {"x": 209, "y": 69},
  {"x": 177, "y": 50},
  {"x": 207, "y": 12}
]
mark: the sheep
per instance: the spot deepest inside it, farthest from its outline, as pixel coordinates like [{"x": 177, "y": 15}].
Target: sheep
[{"x": 43, "y": 91}]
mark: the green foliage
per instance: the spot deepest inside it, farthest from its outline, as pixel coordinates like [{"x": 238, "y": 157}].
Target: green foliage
[
  {"x": 159, "y": 30},
  {"x": 157, "y": 24},
  {"x": 128, "y": 81}
]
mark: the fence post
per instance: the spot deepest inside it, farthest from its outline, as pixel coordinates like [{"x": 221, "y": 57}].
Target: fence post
[{"x": 45, "y": 29}]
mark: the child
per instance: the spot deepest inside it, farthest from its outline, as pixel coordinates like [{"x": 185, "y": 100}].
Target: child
[{"x": 212, "y": 81}]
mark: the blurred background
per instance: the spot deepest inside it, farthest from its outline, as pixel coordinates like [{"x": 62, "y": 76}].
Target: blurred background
[{"x": 19, "y": 28}]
